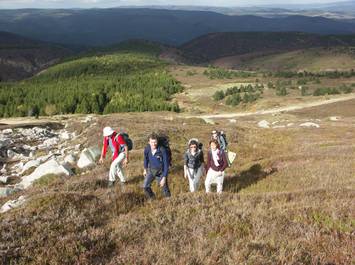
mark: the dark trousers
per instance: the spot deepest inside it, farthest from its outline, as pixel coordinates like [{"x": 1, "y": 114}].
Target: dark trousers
[{"x": 148, "y": 183}]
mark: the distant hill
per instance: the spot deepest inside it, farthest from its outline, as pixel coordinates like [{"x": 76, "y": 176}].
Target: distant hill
[
  {"x": 22, "y": 57},
  {"x": 108, "y": 26},
  {"x": 217, "y": 45},
  {"x": 312, "y": 60}
]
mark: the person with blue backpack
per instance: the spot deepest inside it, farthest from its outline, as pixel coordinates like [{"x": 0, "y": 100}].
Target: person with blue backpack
[
  {"x": 156, "y": 166},
  {"x": 221, "y": 138},
  {"x": 120, "y": 144}
]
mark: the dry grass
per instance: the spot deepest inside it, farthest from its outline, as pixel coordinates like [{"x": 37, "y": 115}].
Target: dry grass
[{"x": 288, "y": 200}]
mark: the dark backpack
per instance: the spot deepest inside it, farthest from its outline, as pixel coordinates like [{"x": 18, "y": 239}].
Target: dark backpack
[
  {"x": 224, "y": 136},
  {"x": 128, "y": 140},
  {"x": 163, "y": 141}
]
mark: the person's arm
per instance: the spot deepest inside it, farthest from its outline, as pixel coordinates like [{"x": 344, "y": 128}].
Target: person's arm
[
  {"x": 208, "y": 165},
  {"x": 185, "y": 165},
  {"x": 224, "y": 161},
  {"x": 104, "y": 150},
  {"x": 165, "y": 163},
  {"x": 145, "y": 160}
]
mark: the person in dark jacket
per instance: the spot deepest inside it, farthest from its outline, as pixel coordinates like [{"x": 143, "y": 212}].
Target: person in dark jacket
[
  {"x": 216, "y": 164},
  {"x": 156, "y": 166},
  {"x": 194, "y": 164}
]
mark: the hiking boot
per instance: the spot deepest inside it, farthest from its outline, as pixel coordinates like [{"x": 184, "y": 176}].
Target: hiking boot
[{"x": 111, "y": 183}]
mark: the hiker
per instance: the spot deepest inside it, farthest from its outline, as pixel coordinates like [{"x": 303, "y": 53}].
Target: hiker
[
  {"x": 156, "y": 166},
  {"x": 221, "y": 138},
  {"x": 119, "y": 149},
  {"x": 194, "y": 164},
  {"x": 216, "y": 164}
]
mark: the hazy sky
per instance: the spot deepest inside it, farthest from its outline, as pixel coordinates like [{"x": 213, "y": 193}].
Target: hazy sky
[{"x": 112, "y": 3}]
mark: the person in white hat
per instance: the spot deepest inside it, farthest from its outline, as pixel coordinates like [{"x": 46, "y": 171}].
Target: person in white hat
[{"x": 119, "y": 149}]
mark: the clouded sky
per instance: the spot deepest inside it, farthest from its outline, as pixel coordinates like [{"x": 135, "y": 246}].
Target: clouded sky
[{"x": 113, "y": 3}]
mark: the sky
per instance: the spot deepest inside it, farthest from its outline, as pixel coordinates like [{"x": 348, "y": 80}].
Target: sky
[{"x": 5, "y": 4}]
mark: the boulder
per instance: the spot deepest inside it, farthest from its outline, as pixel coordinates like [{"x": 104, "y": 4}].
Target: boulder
[
  {"x": 50, "y": 167},
  {"x": 310, "y": 124},
  {"x": 70, "y": 159},
  {"x": 4, "y": 142},
  {"x": 30, "y": 164},
  {"x": 12, "y": 204},
  {"x": 264, "y": 124},
  {"x": 88, "y": 157},
  {"x": 7, "y": 131},
  {"x": 334, "y": 118},
  {"x": 4, "y": 179},
  {"x": 64, "y": 136},
  {"x": 6, "y": 191}
]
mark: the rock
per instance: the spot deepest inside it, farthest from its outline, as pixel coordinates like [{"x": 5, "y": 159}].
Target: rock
[
  {"x": 77, "y": 147},
  {"x": 278, "y": 126},
  {"x": 30, "y": 164},
  {"x": 3, "y": 170},
  {"x": 7, "y": 131},
  {"x": 209, "y": 121},
  {"x": 11, "y": 154},
  {"x": 88, "y": 157},
  {"x": 18, "y": 167},
  {"x": 4, "y": 142},
  {"x": 264, "y": 124},
  {"x": 13, "y": 204},
  {"x": 64, "y": 136},
  {"x": 4, "y": 179},
  {"x": 334, "y": 118},
  {"x": 6, "y": 191},
  {"x": 290, "y": 124},
  {"x": 51, "y": 141},
  {"x": 70, "y": 159},
  {"x": 50, "y": 167},
  {"x": 88, "y": 119},
  {"x": 310, "y": 124},
  {"x": 44, "y": 158},
  {"x": 233, "y": 121}
]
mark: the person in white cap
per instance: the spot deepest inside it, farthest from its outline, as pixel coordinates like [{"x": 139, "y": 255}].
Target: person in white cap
[{"x": 119, "y": 149}]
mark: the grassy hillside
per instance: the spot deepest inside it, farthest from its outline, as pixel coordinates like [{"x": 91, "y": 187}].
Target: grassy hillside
[
  {"x": 288, "y": 200},
  {"x": 129, "y": 77},
  {"x": 311, "y": 60}
]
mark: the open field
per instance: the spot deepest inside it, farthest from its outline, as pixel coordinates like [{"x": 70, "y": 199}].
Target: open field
[{"x": 288, "y": 199}]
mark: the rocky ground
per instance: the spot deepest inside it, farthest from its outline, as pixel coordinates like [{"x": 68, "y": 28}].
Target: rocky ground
[{"x": 29, "y": 152}]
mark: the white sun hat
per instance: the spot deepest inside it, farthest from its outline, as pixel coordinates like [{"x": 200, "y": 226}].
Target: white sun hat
[{"x": 108, "y": 131}]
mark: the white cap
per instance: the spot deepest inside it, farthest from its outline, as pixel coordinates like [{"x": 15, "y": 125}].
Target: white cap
[{"x": 108, "y": 131}]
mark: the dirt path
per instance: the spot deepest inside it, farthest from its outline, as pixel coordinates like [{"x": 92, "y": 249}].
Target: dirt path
[{"x": 276, "y": 110}]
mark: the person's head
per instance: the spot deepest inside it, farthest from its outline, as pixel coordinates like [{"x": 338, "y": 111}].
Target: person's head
[
  {"x": 193, "y": 146},
  {"x": 108, "y": 131},
  {"x": 214, "y": 134},
  {"x": 153, "y": 141},
  {"x": 214, "y": 145}
]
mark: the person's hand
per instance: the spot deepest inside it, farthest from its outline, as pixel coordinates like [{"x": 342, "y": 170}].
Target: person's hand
[
  {"x": 162, "y": 182},
  {"x": 101, "y": 160},
  {"x": 125, "y": 162},
  {"x": 185, "y": 175},
  {"x": 144, "y": 172}
]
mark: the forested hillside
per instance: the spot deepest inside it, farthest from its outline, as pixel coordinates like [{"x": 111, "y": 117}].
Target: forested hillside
[{"x": 125, "y": 78}]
